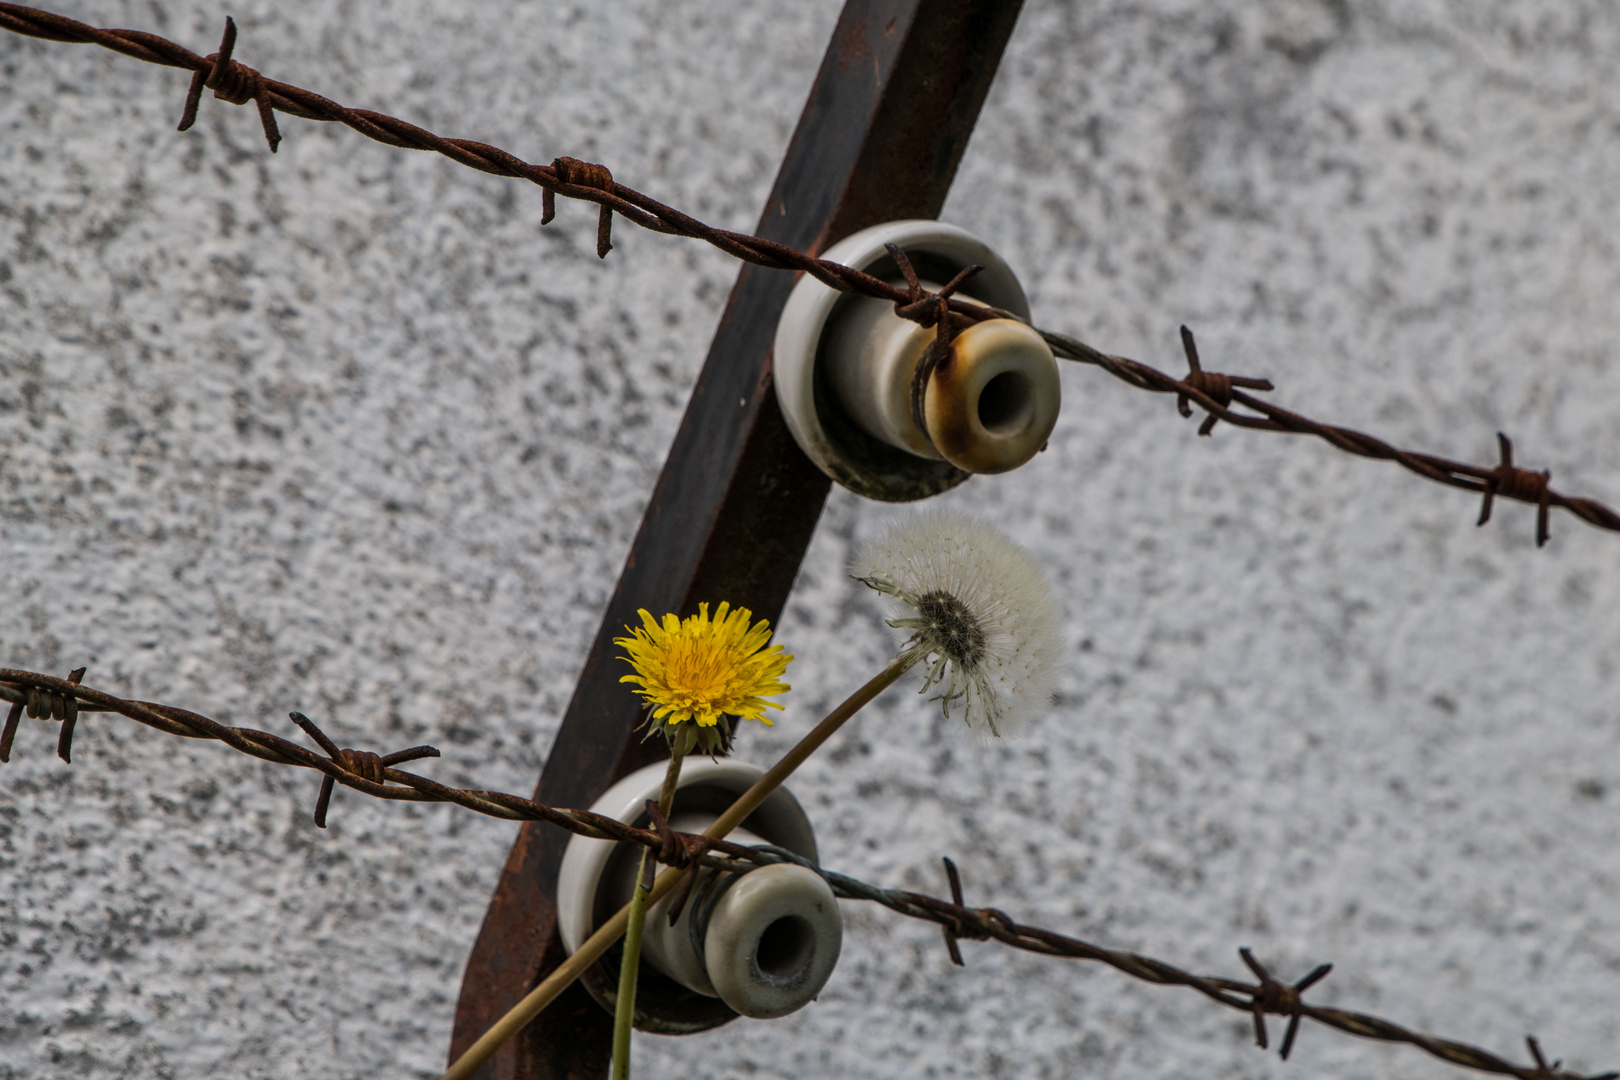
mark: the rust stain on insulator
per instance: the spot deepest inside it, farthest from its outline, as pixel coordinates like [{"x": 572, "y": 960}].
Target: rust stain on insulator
[{"x": 993, "y": 399}]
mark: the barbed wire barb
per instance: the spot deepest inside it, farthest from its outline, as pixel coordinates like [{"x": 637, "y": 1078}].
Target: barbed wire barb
[
  {"x": 1520, "y": 484},
  {"x": 955, "y": 880},
  {"x": 232, "y": 82},
  {"x": 369, "y": 766},
  {"x": 1215, "y": 385},
  {"x": 44, "y": 704},
  {"x": 1275, "y": 997},
  {"x": 1550, "y": 1072}
]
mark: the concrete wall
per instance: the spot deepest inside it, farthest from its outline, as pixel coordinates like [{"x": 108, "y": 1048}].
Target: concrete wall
[{"x": 344, "y": 430}]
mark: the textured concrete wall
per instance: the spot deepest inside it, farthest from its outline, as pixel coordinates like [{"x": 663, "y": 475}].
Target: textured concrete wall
[{"x": 343, "y": 430}]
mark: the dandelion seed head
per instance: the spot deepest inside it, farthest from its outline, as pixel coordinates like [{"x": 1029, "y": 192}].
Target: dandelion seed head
[{"x": 982, "y": 618}]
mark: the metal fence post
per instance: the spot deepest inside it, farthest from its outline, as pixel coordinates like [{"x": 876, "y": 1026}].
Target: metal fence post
[{"x": 887, "y": 120}]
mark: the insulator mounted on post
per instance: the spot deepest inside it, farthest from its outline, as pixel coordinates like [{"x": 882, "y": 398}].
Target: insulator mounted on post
[
  {"x": 846, "y": 371},
  {"x": 760, "y": 943}
]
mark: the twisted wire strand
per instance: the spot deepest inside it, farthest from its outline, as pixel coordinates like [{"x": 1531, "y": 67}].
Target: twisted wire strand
[
  {"x": 1503, "y": 480},
  {"x": 47, "y": 697},
  {"x": 1213, "y": 392}
]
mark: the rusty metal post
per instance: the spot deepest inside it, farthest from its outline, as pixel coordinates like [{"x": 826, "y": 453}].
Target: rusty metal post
[{"x": 887, "y": 120}]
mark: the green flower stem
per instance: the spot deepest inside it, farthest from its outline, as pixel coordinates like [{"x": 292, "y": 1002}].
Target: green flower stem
[
  {"x": 624, "y": 1006},
  {"x": 749, "y": 801},
  {"x": 610, "y": 931}
]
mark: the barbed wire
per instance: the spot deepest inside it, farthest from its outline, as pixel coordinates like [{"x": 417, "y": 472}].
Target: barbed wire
[
  {"x": 49, "y": 698},
  {"x": 571, "y": 178},
  {"x": 1215, "y": 393}
]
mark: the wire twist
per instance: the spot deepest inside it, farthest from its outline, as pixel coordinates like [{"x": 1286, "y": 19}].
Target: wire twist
[
  {"x": 1277, "y": 998},
  {"x": 44, "y": 703},
  {"x": 1213, "y": 385},
  {"x": 1521, "y": 484},
  {"x": 582, "y": 174},
  {"x": 232, "y": 82}
]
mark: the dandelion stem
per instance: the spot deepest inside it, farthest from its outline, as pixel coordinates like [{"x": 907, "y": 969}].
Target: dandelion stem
[
  {"x": 624, "y": 1006},
  {"x": 611, "y": 930},
  {"x": 749, "y": 801}
]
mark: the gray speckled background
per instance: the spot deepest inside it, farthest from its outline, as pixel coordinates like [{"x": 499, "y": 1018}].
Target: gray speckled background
[{"x": 343, "y": 430}]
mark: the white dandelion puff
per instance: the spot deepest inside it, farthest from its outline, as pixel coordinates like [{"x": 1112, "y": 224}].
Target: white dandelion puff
[{"x": 982, "y": 617}]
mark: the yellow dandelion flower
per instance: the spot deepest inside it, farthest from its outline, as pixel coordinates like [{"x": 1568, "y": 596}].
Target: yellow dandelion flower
[{"x": 705, "y": 670}]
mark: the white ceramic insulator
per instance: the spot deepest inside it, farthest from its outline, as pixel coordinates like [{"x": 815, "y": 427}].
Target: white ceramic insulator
[
  {"x": 669, "y": 947},
  {"x": 989, "y": 408},
  {"x": 773, "y": 941},
  {"x": 597, "y": 878},
  {"x": 843, "y": 369},
  {"x": 992, "y": 404},
  {"x": 871, "y": 356}
]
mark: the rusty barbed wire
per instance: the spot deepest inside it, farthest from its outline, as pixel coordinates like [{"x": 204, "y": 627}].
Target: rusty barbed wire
[
  {"x": 49, "y": 697},
  {"x": 236, "y": 83},
  {"x": 1216, "y": 393},
  {"x": 571, "y": 178}
]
